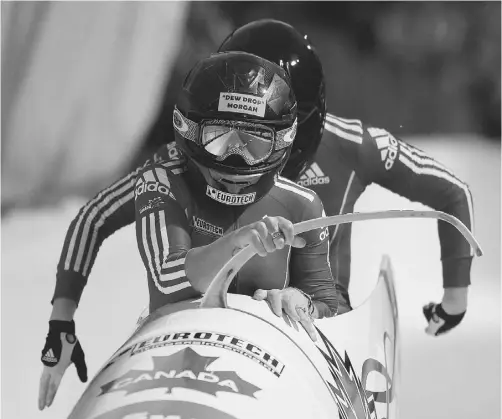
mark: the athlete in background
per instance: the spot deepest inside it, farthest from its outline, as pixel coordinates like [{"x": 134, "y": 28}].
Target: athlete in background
[
  {"x": 338, "y": 158},
  {"x": 235, "y": 122}
]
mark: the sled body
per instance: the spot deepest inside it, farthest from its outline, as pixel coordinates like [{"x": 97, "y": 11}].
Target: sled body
[{"x": 243, "y": 362}]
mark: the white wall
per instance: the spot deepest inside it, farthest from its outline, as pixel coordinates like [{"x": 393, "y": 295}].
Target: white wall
[{"x": 80, "y": 84}]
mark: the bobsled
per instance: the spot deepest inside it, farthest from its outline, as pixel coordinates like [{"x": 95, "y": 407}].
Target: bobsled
[{"x": 227, "y": 356}]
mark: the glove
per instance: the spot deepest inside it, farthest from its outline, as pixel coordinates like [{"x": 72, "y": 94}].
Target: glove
[
  {"x": 61, "y": 349},
  {"x": 439, "y": 320}
]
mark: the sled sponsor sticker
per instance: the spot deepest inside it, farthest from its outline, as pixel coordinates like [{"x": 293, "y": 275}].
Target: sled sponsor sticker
[
  {"x": 158, "y": 409},
  {"x": 230, "y": 198},
  {"x": 242, "y": 103},
  {"x": 204, "y": 227},
  {"x": 185, "y": 368},
  {"x": 218, "y": 340},
  {"x": 349, "y": 389}
]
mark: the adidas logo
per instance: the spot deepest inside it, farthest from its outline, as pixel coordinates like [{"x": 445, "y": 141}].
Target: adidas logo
[
  {"x": 313, "y": 176},
  {"x": 49, "y": 357},
  {"x": 387, "y": 145},
  {"x": 153, "y": 182}
]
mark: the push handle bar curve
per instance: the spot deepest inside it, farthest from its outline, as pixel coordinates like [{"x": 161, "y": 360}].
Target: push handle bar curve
[{"x": 216, "y": 294}]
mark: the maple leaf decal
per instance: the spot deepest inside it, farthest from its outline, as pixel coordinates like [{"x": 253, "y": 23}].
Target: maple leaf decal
[
  {"x": 183, "y": 369},
  {"x": 274, "y": 96},
  {"x": 242, "y": 77}
]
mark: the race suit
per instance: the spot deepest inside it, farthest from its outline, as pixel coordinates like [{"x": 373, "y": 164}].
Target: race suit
[
  {"x": 353, "y": 155},
  {"x": 173, "y": 214}
]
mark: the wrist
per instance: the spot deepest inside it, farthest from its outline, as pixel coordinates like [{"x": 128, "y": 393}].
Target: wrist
[
  {"x": 311, "y": 306},
  {"x": 64, "y": 326},
  {"x": 315, "y": 311},
  {"x": 63, "y": 309},
  {"x": 455, "y": 300},
  {"x": 457, "y": 272}
]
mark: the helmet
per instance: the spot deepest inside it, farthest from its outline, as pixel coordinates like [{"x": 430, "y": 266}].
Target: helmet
[
  {"x": 235, "y": 120},
  {"x": 282, "y": 44}
]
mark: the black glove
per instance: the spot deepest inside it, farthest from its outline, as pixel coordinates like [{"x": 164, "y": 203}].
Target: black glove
[
  {"x": 61, "y": 337},
  {"x": 439, "y": 320},
  {"x": 61, "y": 349}
]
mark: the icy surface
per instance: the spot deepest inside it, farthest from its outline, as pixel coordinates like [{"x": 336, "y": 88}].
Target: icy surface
[{"x": 456, "y": 376}]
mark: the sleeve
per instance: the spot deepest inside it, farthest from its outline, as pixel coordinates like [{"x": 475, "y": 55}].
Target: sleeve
[
  {"x": 163, "y": 234},
  {"x": 411, "y": 173},
  {"x": 110, "y": 210},
  {"x": 310, "y": 268}
]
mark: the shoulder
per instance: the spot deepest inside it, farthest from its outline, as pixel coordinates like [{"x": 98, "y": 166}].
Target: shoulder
[
  {"x": 365, "y": 143},
  {"x": 353, "y": 132},
  {"x": 161, "y": 176},
  {"x": 168, "y": 153},
  {"x": 301, "y": 203},
  {"x": 163, "y": 165},
  {"x": 343, "y": 130},
  {"x": 293, "y": 192}
]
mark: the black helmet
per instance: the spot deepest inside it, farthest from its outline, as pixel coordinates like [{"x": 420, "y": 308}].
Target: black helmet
[
  {"x": 284, "y": 45},
  {"x": 235, "y": 120}
]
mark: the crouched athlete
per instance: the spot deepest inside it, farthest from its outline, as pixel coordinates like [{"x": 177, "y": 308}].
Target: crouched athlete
[
  {"x": 338, "y": 158},
  {"x": 235, "y": 122}
]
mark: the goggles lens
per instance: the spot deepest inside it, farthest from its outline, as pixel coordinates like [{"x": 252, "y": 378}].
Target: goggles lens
[{"x": 254, "y": 143}]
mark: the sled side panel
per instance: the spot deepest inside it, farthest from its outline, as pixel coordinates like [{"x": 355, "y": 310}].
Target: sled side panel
[{"x": 362, "y": 349}]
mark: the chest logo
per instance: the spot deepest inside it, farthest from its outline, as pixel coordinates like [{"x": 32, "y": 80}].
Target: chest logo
[
  {"x": 387, "y": 145},
  {"x": 230, "y": 198},
  {"x": 313, "y": 176},
  {"x": 204, "y": 227}
]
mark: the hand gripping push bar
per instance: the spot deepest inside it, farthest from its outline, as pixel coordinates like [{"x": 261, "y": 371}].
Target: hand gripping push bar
[{"x": 216, "y": 294}]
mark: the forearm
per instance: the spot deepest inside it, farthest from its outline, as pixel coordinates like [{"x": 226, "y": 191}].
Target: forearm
[
  {"x": 457, "y": 272},
  {"x": 323, "y": 295},
  {"x": 314, "y": 277},
  {"x": 204, "y": 262},
  {"x": 69, "y": 285},
  {"x": 63, "y": 309}
]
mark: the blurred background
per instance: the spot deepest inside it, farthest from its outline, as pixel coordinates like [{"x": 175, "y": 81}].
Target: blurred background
[
  {"x": 87, "y": 91},
  {"x": 92, "y": 85}
]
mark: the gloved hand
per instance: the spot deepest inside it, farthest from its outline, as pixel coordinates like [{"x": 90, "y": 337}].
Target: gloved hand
[
  {"x": 439, "y": 320},
  {"x": 61, "y": 349},
  {"x": 445, "y": 316}
]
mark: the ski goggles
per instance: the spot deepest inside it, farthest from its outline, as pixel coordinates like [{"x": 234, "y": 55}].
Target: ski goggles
[{"x": 223, "y": 138}]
